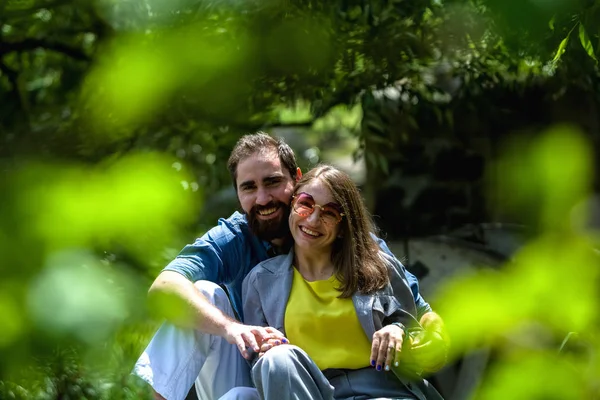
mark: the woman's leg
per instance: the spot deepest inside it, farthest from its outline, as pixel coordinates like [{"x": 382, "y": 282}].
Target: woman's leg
[{"x": 286, "y": 372}]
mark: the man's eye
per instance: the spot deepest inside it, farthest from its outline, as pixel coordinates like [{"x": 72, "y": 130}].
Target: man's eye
[{"x": 273, "y": 183}]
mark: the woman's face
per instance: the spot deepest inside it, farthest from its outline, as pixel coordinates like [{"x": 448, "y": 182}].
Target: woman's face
[{"x": 315, "y": 217}]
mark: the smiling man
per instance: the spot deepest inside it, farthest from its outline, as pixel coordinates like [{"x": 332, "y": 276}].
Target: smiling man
[{"x": 206, "y": 278}]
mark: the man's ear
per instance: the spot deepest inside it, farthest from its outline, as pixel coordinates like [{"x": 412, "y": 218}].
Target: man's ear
[{"x": 298, "y": 174}]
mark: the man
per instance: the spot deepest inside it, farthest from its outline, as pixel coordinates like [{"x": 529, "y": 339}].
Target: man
[{"x": 210, "y": 344}]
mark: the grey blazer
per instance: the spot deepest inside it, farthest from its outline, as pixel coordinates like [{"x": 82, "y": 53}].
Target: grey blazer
[{"x": 266, "y": 291}]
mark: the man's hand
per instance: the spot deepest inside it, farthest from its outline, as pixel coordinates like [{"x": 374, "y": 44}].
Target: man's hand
[{"x": 248, "y": 336}]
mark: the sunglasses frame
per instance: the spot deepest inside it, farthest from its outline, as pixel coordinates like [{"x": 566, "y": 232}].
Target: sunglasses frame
[{"x": 321, "y": 207}]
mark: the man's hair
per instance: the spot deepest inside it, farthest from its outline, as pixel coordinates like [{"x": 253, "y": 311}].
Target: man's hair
[
  {"x": 249, "y": 145},
  {"x": 355, "y": 253}
]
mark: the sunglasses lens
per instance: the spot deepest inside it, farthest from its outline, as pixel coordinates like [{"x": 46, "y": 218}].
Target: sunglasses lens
[
  {"x": 304, "y": 205},
  {"x": 331, "y": 215}
]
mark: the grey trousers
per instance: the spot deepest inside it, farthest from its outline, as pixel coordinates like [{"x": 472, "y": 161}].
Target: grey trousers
[{"x": 286, "y": 372}]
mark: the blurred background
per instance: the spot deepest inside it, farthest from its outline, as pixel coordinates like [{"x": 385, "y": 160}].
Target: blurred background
[{"x": 472, "y": 127}]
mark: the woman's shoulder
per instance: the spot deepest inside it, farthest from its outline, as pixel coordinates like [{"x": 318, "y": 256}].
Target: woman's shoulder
[{"x": 274, "y": 265}]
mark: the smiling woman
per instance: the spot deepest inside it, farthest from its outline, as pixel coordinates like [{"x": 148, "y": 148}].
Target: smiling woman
[{"x": 346, "y": 304}]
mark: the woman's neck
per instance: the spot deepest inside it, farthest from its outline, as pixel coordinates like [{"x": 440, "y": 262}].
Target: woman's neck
[{"x": 313, "y": 265}]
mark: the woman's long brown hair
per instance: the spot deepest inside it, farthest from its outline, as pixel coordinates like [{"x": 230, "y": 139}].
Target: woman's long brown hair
[{"x": 355, "y": 254}]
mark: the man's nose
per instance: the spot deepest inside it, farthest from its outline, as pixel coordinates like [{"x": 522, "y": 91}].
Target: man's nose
[{"x": 263, "y": 197}]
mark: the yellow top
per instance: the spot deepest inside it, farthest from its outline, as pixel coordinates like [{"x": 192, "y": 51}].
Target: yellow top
[{"x": 325, "y": 326}]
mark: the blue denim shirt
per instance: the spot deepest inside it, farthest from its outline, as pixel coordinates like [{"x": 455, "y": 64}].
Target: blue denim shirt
[{"x": 226, "y": 254}]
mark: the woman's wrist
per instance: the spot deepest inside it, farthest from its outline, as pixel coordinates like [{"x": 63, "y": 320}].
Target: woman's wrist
[{"x": 401, "y": 326}]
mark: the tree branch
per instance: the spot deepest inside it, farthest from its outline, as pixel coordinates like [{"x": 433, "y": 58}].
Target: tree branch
[
  {"x": 32, "y": 44},
  {"x": 12, "y": 77}
]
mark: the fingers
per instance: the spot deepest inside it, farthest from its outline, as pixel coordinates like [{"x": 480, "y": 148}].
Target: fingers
[
  {"x": 382, "y": 353},
  {"x": 249, "y": 339},
  {"x": 260, "y": 334},
  {"x": 386, "y": 348},
  {"x": 269, "y": 344},
  {"x": 398, "y": 352},
  {"x": 241, "y": 345},
  {"x": 253, "y": 337},
  {"x": 274, "y": 333},
  {"x": 374, "y": 350},
  {"x": 268, "y": 333}
]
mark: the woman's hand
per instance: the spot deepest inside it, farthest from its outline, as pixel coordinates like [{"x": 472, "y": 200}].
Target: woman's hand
[
  {"x": 386, "y": 347},
  {"x": 270, "y": 343}
]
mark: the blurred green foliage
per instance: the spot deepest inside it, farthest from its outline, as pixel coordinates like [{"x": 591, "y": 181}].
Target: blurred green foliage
[
  {"x": 117, "y": 118},
  {"x": 548, "y": 289}
]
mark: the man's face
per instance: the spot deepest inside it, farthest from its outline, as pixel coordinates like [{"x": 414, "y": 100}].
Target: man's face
[{"x": 264, "y": 189}]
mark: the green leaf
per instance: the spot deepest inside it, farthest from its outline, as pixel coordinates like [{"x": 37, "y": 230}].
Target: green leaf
[
  {"x": 561, "y": 48},
  {"x": 551, "y": 22},
  {"x": 383, "y": 164},
  {"x": 586, "y": 42}
]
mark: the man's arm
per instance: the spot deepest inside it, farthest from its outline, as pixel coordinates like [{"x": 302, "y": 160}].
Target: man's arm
[
  {"x": 172, "y": 291},
  {"x": 429, "y": 351},
  {"x": 177, "y": 299},
  {"x": 422, "y": 306}
]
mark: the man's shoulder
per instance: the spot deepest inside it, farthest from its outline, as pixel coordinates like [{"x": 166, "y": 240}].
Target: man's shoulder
[
  {"x": 235, "y": 225},
  {"x": 237, "y": 220}
]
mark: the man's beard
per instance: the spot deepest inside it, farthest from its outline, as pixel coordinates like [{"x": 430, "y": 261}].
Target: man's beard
[{"x": 270, "y": 229}]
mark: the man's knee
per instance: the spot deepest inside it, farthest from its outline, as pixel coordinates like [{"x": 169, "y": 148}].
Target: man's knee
[{"x": 214, "y": 294}]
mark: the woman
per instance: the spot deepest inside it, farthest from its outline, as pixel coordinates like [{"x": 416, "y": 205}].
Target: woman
[{"x": 342, "y": 303}]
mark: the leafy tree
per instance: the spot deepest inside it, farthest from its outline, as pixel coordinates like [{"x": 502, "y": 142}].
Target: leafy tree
[{"x": 117, "y": 118}]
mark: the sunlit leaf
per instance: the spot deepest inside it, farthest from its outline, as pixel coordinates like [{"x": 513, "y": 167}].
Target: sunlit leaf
[
  {"x": 586, "y": 42},
  {"x": 561, "y": 48}
]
